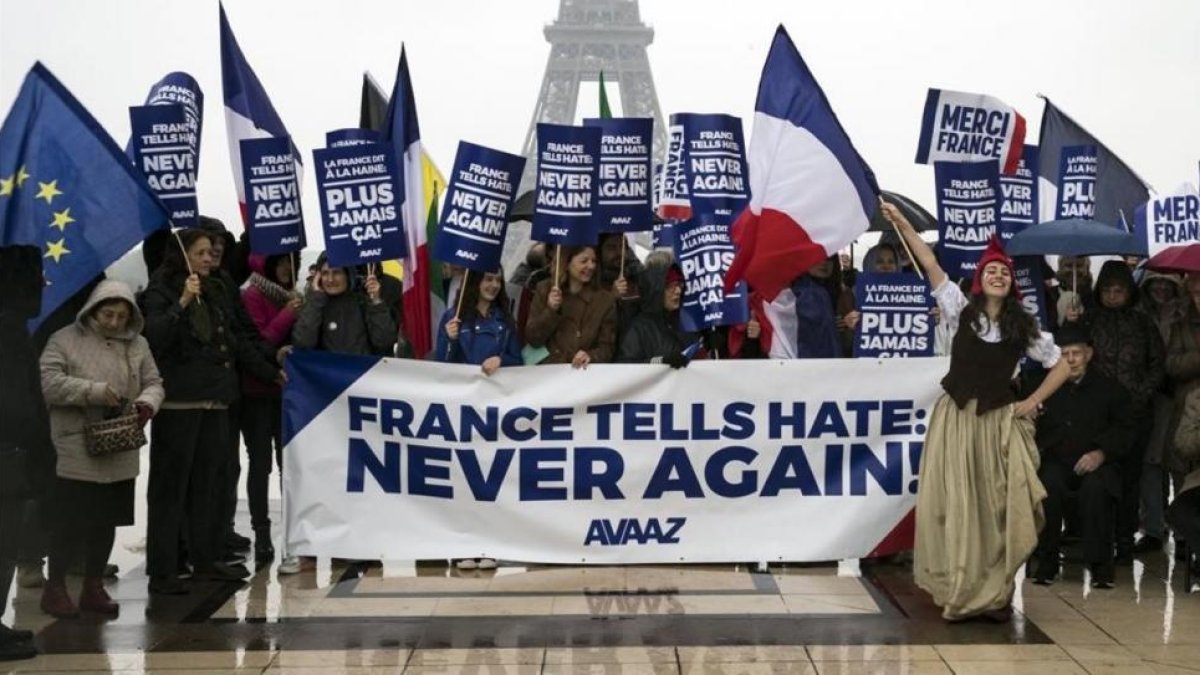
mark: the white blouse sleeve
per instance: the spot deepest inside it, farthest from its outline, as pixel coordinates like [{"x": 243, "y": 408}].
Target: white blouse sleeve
[
  {"x": 951, "y": 301},
  {"x": 1044, "y": 351}
]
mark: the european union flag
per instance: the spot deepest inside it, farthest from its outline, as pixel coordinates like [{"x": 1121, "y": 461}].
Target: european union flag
[{"x": 67, "y": 187}]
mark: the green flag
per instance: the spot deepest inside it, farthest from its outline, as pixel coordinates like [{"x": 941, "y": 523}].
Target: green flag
[
  {"x": 605, "y": 111},
  {"x": 436, "y": 288}
]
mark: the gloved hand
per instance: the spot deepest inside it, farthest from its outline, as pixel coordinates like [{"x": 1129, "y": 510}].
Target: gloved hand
[
  {"x": 144, "y": 412},
  {"x": 676, "y": 361}
]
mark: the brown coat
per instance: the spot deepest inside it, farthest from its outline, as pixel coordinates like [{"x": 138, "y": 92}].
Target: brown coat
[{"x": 586, "y": 321}]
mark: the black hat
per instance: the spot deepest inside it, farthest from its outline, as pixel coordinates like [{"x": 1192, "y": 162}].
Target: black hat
[{"x": 1073, "y": 333}]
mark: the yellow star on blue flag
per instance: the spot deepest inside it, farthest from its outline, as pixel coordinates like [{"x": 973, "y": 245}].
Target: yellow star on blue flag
[{"x": 58, "y": 167}]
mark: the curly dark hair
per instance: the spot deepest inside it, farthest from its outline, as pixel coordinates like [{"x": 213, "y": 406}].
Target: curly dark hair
[{"x": 1017, "y": 326}]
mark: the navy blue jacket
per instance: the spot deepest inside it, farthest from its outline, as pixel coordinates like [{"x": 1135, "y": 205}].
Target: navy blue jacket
[{"x": 479, "y": 340}]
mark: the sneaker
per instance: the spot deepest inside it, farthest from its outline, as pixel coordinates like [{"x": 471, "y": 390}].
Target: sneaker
[
  {"x": 466, "y": 564},
  {"x": 29, "y": 576},
  {"x": 1102, "y": 576},
  {"x": 487, "y": 563},
  {"x": 1045, "y": 573},
  {"x": 237, "y": 542},
  {"x": 13, "y": 649},
  {"x": 290, "y": 565},
  {"x": 167, "y": 586},
  {"x": 1148, "y": 544},
  {"x": 221, "y": 572}
]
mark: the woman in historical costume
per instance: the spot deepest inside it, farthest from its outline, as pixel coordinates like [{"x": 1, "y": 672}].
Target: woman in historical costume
[{"x": 979, "y": 504}]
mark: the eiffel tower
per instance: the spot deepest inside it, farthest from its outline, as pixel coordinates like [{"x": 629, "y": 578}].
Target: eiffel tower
[{"x": 590, "y": 36}]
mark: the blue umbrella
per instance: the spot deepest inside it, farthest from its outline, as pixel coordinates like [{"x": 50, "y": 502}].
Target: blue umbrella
[{"x": 1074, "y": 236}]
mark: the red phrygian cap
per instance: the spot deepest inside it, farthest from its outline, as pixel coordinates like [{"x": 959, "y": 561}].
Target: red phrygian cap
[{"x": 994, "y": 253}]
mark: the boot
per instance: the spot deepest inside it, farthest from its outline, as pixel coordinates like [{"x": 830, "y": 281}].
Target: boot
[
  {"x": 95, "y": 599},
  {"x": 264, "y": 550},
  {"x": 56, "y": 602}
]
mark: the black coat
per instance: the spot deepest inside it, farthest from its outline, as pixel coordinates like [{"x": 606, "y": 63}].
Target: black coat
[
  {"x": 654, "y": 333},
  {"x": 1093, "y": 414},
  {"x": 196, "y": 367}
]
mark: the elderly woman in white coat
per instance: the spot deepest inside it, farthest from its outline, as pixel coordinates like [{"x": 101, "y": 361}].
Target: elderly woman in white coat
[{"x": 88, "y": 369}]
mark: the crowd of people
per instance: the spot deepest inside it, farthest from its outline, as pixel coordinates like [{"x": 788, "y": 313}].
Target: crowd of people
[{"x": 1081, "y": 430}]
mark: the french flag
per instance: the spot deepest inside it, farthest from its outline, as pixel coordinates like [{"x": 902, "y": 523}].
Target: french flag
[
  {"x": 248, "y": 110},
  {"x": 811, "y": 194},
  {"x": 401, "y": 129}
]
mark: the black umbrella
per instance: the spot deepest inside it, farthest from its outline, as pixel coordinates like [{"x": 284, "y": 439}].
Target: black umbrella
[{"x": 914, "y": 212}]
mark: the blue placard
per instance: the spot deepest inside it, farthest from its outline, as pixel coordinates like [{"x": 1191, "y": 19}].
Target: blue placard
[
  {"x": 1019, "y": 196},
  {"x": 273, "y": 214},
  {"x": 715, "y": 163},
  {"x": 163, "y": 143},
  {"x": 663, "y": 234},
  {"x": 475, "y": 214},
  {"x": 340, "y": 138},
  {"x": 704, "y": 251},
  {"x": 358, "y": 187},
  {"x": 1077, "y": 182},
  {"x": 674, "y": 203},
  {"x": 967, "y": 195},
  {"x": 623, "y": 199},
  {"x": 1029, "y": 280},
  {"x": 895, "y": 316},
  {"x": 565, "y": 200}
]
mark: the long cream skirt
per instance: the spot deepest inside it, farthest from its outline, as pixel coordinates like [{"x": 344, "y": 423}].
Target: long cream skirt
[{"x": 979, "y": 507}]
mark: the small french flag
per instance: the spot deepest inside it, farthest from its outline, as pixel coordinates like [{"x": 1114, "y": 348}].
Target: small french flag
[
  {"x": 811, "y": 194},
  {"x": 248, "y": 110}
]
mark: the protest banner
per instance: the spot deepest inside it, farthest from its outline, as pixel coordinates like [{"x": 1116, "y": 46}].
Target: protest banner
[
  {"x": 1019, "y": 196},
  {"x": 967, "y": 195},
  {"x": 273, "y": 215},
  {"x": 961, "y": 127},
  {"x": 618, "y": 464},
  {"x": 340, "y": 138},
  {"x": 715, "y": 168},
  {"x": 623, "y": 195},
  {"x": 565, "y": 200},
  {"x": 674, "y": 203},
  {"x": 1170, "y": 220},
  {"x": 895, "y": 319},
  {"x": 475, "y": 213},
  {"x": 163, "y": 144},
  {"x": 358, "y": 189},
  {"x": 1077, "y": 182},
  {"x": 704, "y": 251},
  {"x": 1027, "y": 272}
]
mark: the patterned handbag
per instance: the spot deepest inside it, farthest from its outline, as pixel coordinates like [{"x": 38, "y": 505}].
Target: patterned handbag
[{"x": 119, "y": 431}]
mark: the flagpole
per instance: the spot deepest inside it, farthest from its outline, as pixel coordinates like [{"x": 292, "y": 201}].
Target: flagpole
[
  {"x": 557, "y": 253},
  {"x": 462, "y": 293},
  {"x": 916, "y": 265},
  {"x": 183, "y": 250}
]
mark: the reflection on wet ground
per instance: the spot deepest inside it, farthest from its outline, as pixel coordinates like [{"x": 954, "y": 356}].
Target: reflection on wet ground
[{"x": 432, "y": 617}]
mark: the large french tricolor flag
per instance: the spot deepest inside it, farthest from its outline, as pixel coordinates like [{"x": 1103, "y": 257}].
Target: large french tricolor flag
[
  {"x": 810, "y": 192},
  {"x": 404, "y": 132},
  {"x": 248, "y": 110}
]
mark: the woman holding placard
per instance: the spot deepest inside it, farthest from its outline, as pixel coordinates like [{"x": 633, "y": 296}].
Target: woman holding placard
[
  {"x": 979, "y": 504},
  {"x": 576, "y": 322},
  {"x": 480, "y": 330}
]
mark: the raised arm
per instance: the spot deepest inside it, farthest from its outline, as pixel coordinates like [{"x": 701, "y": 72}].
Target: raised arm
[{"x": 920, "y": 250}]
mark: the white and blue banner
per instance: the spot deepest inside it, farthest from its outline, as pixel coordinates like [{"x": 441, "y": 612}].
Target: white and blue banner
[
  {"x": 1077, "y": 182},
  {"x": 358, "y": 189},
  {"x": 1170, "y": 220},
  {"x": 565, "y": 199},
  {"x": 1031, "y": 283},
  {"x": 961, "y": 127},
  {"x": 704, "y": 251},
  {"x": 674, "y": 203},
  {"x": 163, "y": 145},
  {"x": 1019, "y": 196},
  {"x": 633, "y": 463},
  {"x": 967, "y": 196},
  {"x": 715, "y": 165},
  {"x": 273, "y": 215},
  {"x": 340, "y": 138},
  {"x": 896, "y": 319},
  {"x": 624, "y": 202},
  {"x": 475, "y": 213},
  {"x": 663, "y": 235}
]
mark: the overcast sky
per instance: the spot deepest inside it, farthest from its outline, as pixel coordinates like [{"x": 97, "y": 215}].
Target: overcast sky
[{"x": 1125, "y": 70}]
